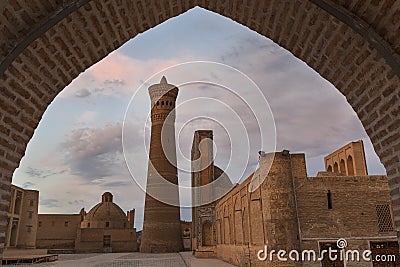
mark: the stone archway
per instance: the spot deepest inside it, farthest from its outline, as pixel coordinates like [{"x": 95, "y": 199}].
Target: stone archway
[
  {"x": 343, "y": 167},
  {"x": 350, "y": 165},
  {"x": 44, "y": 45},
  {"x": 336, "y": 167},
  {"x": 207, "y": 234}
]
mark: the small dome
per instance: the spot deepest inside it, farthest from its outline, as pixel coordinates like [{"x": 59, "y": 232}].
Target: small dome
[
  {"x": 107, "y": 197},
  {"x": 105, "y": 214}
]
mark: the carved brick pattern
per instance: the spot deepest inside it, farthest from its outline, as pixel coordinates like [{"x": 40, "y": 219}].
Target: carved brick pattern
[{"x": 385, "y": 220}]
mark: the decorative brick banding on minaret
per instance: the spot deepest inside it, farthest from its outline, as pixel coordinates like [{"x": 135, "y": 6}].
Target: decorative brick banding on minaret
[{"x": 161, "y": 225}]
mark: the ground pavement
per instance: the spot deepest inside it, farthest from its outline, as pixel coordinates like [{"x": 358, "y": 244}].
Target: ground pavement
[{"x": 183, "y": 259}]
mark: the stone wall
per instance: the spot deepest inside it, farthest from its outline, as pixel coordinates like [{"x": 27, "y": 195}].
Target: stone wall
[
  {"x": 29, "y": 218},
  {"x": 57, "y": 231},
  {"x": 91, "y": 240},
  {"x": 290, "y": 211},
  {"x": 353, "y": 215},
  {"x": 348, "y": 160},
  {"x": 46, "y": 44},
  {"x": 246, "y": 221},
  {"x": 203, "y": 193},
  {"x": 22, "y": 216},
  {"x": 353, "y": 212}
]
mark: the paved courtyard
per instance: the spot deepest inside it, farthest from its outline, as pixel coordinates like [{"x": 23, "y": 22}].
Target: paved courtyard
[{"x": 183, "y": 259}]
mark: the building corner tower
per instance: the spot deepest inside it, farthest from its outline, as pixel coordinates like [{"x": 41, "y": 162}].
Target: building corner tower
[{"x": 161, "y": 225}]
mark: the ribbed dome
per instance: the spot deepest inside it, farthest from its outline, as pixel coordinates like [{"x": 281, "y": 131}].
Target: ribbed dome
[{"x": 105, "y": 214}]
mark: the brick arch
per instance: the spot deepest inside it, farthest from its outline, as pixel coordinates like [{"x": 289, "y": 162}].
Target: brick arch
[{"x": 46, "y": 44}]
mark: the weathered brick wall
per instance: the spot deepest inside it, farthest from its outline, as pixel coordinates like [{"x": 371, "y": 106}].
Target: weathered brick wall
[
  {"x": 246, "y": 221},
  {"x": 53, "y": 233},
  {"x": 353, "y": 210},
  {"x": 353, "y": 244},
  {"x": 353, "y": 215},
  {"x": 28, "y": 219},
  {"x": 90, "y": 240},
  {"x": 40, "y": 62},
  {"x": 350, "y": 159},
  {"x": 280, "y": 219},
  {"x": 23, "y": 209}
]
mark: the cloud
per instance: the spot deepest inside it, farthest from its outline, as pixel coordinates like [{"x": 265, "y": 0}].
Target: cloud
[
  {"x": 28, "y": 184},
  {"x": 96, "y": 87},
  {"x": 117, "y": 184},
  {"x": 50, "y": 203},
  {"x": 116, "y": 76},
  {"x": 41, "y": 173},
  {"x": 302, "y": 102},
  {"x": 87, "y": 116},
  {"x": 76, "y": 202},
  {"x": 311, "y": 115},
  {"x": 84, "y": 92},
  {"x": 114, "y": 82},
  {"x": 94, "y": 152}
]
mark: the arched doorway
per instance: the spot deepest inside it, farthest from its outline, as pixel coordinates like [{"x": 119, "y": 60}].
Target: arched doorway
[
  {"x": 350, "y": 166},
  {"x": 342, "y": 166},
  {"x": 335, "y": 167},
  {"x": 54, "y": 42},
  {"x": 14, "y": 232},
  {"x": 329, "y": 168},
  {"x": 207, "y": 234}
]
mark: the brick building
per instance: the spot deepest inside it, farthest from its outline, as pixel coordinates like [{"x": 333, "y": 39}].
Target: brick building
[
  {"x": 105, "y": 228},
  {"x": 47, "y": 44},
  {"x": 283, "y": 208},
  {"x": 22, "y": 218},
  {"x": 57, "y": 231},
  {"x": 204, "y": 173},
  {"x": 349, "y": 160}
]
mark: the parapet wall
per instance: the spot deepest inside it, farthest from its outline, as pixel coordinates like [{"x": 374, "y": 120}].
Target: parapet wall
[
  {"x": 57, "y": 231},
  {"x": 290, "y": 211},
  {"x": 246, "y": 221},
  {"x": 355, "y": 202}
]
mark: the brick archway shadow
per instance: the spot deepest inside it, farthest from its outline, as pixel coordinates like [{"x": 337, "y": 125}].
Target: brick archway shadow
[{"x": 44, "y": 45}]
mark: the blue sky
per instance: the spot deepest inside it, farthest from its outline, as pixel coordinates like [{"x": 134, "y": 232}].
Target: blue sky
[{"x": 75, "y": 154}]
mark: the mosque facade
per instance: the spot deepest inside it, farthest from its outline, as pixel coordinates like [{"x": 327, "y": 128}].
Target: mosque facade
[
  {"x": 281, "y": 208},
  {"x": 105, "y": 228}
]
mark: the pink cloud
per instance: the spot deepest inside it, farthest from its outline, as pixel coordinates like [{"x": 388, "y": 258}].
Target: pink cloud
[{"x": 115, "y": 72}]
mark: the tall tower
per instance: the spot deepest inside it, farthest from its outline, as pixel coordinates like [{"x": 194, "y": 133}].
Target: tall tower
[
  {"x": 203, "y": 216},
  {"x": 209, "y": 183},
  {"x": 161, "y": 226}
]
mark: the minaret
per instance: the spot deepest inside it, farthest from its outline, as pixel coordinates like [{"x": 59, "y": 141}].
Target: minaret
[{"x": 161, "y": 225}]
